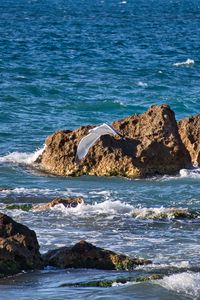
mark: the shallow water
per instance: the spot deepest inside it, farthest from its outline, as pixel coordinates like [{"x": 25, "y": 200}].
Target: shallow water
[{"x": 68, "y": 63}]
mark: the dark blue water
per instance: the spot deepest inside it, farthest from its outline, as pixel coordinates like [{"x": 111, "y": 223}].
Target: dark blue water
[{"x": 68, "y": 63}]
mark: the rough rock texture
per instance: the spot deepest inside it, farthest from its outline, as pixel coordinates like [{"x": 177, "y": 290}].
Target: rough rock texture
[
  {"x": 67, "y": 202},
  {"x": 189, "y": 129},
  {"x": 152, "y": 146},
  {"x": 19, "y": 249},
  {"x": 86, "y": 255}
]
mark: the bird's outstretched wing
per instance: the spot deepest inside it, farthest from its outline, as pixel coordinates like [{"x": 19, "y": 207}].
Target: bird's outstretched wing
[{"x": 89, "y": 140}]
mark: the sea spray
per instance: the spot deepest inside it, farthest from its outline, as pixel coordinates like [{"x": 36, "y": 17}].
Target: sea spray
[
  {"x": 21, "y": 157},
  {"x": 185, "y": 283},
  {"x": 188, "y": 62}
]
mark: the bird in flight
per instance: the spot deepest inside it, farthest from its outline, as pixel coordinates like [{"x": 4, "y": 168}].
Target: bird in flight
[{"x": 94, "y": 134}]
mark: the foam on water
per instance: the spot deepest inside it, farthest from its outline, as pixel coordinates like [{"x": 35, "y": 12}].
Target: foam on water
[
  {"x": 37, "y": 192},
  {"x": 184, "y": 283},
  {"x": 107, "y": 207},
  {"x": 190, "y": 173},
  {"x": 21, "y": 157},
  {"x": 163, "y": 213},
  {"x": 142, "y": 84},
  {"x": 184, "y": 63}
]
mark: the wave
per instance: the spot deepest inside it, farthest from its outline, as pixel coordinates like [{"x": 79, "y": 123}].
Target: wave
[
  {"x": 190, "y": 173},
  {"x": 142, "y": 84},
  {"x": 112, "y": 208},
  {"x": 106, "y": 105},
  {"x": 184, "y": 283},
  {"x": 188, "y": 62},
  {"x": 37, "y": 192},
  {"x": 107, "y": 207},
  {"x": 164, "y": 213},
  {"x": 21, "y": 157}
]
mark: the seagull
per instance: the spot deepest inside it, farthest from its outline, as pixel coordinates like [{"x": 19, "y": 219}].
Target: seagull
[{"x": 94, "y": 134}]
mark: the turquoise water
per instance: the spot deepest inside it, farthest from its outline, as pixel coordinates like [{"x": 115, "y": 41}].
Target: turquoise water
[{"x": 64, "y": 64}]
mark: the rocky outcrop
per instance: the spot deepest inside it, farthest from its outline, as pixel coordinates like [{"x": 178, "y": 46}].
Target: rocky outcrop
[
  {"x": 189, "y": 129},
  {"x": 152, "y": 146},
  {"x": 19, "y": 248},
  {"x": 165, "y": 213},
  {"x": 86, "y": 255},
  {"x": 67, "y": 202}
]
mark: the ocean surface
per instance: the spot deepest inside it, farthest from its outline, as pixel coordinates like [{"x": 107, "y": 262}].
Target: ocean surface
[{"x": 67, "y": 63}]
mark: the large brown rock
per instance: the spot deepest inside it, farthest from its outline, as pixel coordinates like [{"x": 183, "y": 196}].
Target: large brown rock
[
  {"x": 86, "y": 255},
  {"x": 19, "y": 248},
  {"x": 152, "y": 146},
  {"x": 189, "y": 129}
]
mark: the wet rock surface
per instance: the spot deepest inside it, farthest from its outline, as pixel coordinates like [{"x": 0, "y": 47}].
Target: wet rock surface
[
  {"x": 86, "y": 255},
  {"x": 189, "y": 129},
  {"x": 19, "y": 251},
  {"x": 19, "y": 248},
  {"x": 67, "y": 202},
  {"x": 152, "y": 146}
]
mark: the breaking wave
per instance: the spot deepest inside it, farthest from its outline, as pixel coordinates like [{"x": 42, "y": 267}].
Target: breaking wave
[
  {"x": 142, "y": 84},
  {"x": 190, "y": 173},
  {"x": 185, "y": 283},
  {"x": 188, "y": 62},
  {"x": 21, "y": 157},
  {"x": 164, "y": 213},
  {"x": 107, "y": 207},
  {"x": 37, "y": 192}
]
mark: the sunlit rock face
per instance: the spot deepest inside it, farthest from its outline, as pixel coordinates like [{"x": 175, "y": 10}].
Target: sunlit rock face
[
  {"x": 189, "y": 129},
  {"x": 152, "y": 146}
]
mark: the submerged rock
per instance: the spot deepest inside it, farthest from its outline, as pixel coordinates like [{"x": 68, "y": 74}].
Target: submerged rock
[
  {"x": 19, "y": 248},
  {"x": 189, "y": 129},
  {"x": 86, "y": 255},
  {"x": 110, "y": 283},
  {"x": 67, "y": 202},
  {"x": 165, "y": 213},
  {"x": 152, "y": 146}
]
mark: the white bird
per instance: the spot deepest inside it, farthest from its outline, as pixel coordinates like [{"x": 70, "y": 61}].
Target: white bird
[{"x": 89, "y": 140}]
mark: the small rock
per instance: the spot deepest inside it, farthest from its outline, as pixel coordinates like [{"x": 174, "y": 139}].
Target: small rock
[
  {"x": 67, "y": 202},
  {"x": 86, "y": 255}
]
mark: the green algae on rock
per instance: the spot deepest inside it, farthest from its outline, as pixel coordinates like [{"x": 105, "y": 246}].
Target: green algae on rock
[
  {"x": 25, "y": 207},
  {"x": 165, "y": 213},
  {"x": 110, "y": 283}
]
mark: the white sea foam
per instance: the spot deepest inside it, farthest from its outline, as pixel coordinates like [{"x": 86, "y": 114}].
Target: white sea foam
[
  {"x": 35, "y": 192},
  {"x": 107, "y": 207},
  {"x": 190, "y": 173},
  {"x": 184, "y": 283},
  {"x": 159, "y": 213},
  {"x": 188, "y": 62},
  {"x": 142, "y": 84},
  {"x": 21, "y": 157},
  {"x": 116, "y": 284},
  {"x": 157, "y": 265}
]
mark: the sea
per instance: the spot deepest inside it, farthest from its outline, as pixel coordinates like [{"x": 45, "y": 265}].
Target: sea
[{"x": 67, "y": 63}]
